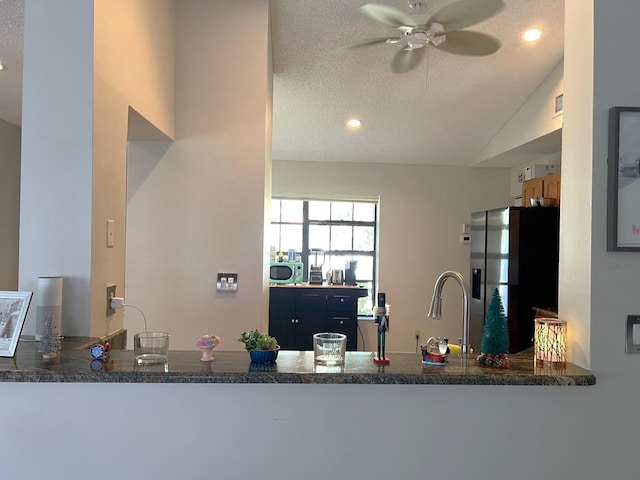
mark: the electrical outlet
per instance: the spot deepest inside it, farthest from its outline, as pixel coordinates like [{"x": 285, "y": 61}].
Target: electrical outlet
[
  {"x": 417, "y": 333},
  {"x": 111, "y": 292}
]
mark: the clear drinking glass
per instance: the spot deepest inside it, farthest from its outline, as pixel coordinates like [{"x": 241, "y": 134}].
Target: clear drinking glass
[
  {"x": 151, "y": 347},
  {"x": 329, "y": 348}
]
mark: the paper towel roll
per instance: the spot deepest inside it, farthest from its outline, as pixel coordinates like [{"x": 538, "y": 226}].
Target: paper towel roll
[{"x": 49, "y": 300}]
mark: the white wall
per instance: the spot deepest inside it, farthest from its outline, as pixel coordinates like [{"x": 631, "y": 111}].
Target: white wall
[
  {"x": 313, "y": 432},
  {"x": 422, "y": 210},
  {"x": 536, "y": 118},
  {"x": 56, "y": 170},
  {"x": 197, "y": 207},
  {"x": 10, "y": 201},
  {"x": 117, "y": 52}
]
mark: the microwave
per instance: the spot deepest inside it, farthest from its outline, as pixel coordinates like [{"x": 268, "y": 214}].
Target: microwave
[{"x": 285, "y": 272}]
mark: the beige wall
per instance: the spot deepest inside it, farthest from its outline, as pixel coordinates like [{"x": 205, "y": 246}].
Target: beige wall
[
  {"x": 422, "y": 210},
  {"x": 580, "y": 229},
  {"x": 135, "y": 56},
  {"x": 134, "y": 66},
  {"x": 10, "y": 201},
  {"x": 197, "y": 207},
  {"x": 117, "y": 53}
]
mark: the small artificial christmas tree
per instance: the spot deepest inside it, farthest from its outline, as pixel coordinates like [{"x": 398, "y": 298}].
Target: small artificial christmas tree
[
  {"x": 495, "y": 336},
  {"x": 50, "y": 342}
]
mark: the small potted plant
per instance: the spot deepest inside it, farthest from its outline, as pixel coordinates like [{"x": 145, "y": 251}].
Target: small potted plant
[{"x": 262, "y": 348}]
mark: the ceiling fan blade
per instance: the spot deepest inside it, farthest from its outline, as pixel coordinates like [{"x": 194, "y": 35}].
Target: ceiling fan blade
[
  {"x": 406, "y": 60},
  {"x": 474, "y": 44},
  {"x": 388, "y": 15},
  {"x": 367, "y": 42},
  {"x": 464, "y": 13}
]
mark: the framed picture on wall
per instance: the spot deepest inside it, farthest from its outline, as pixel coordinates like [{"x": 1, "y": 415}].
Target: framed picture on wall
[
  {"x": 13, "y": 311},
  {"x": 623, "y": 193}
]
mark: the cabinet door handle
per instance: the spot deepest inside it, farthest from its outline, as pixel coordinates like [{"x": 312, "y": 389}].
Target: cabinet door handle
[
  {"x": 341, "y": 322},
  {"x": 293, "y": 320}
]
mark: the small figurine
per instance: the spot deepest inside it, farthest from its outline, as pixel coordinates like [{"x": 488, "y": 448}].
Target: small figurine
[
  {"x": 381, "y": 314},
  {"x": 206, "y": 344},
  {"x": 100, "y": 357},
  {"x": 434, "y": 352},
  {"x": 100, "y": 351}
]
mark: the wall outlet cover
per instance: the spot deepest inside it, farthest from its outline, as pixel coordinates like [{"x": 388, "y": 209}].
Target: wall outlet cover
[
  {"x": 111, "y": 292},
  {"x": 227, "y": 282},
  {"x": 633, "y": 334}
]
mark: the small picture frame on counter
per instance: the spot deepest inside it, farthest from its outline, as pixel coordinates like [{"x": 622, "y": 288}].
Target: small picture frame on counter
[{"x": 13, "y": 311}]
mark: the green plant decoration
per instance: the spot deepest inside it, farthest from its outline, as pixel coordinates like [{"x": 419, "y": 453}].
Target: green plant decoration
[{"x": 255, "y": 340}]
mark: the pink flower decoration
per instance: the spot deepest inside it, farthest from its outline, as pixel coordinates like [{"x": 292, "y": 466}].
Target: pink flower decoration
[{"x": 208, "y": 341}]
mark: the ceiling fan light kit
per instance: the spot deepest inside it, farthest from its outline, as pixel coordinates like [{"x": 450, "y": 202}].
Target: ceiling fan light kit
[{"x": 443, "y": 30}]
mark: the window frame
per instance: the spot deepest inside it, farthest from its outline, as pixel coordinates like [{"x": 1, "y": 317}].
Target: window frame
[{"x": 306, "y": 247}]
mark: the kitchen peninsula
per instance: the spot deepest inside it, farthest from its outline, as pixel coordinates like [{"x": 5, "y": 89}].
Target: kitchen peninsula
[{"x": 74, "y": 364}]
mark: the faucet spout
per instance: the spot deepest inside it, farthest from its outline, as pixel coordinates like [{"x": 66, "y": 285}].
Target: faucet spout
[{"x": 435, "y": 311}]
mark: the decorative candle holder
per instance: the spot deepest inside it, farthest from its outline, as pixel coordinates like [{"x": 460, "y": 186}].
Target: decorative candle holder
[
  {"x": 206, "y": 344},
  {"x": 550, "y": 341}
]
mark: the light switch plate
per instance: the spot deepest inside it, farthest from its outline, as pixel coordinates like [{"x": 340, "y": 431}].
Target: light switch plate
[
  {"x": 110, "y": 233},
  {"x": 227, "y": 282},
  {"x": 633, "y": 334}
]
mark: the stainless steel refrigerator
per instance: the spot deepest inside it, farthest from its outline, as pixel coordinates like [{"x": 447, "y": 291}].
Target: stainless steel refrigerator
[{"x": 515, "y": 250}]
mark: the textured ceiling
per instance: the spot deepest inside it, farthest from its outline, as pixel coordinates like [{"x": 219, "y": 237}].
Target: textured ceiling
[
  {"x": 442, "y": 113},
  {"x": 11, "y": 25}
]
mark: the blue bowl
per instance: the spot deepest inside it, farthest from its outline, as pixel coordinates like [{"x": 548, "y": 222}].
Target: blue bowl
[{"x": 264, "y": 356}]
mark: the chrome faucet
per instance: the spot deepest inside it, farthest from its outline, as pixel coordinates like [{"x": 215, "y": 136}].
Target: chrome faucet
[{"x": 435, "y": 311}]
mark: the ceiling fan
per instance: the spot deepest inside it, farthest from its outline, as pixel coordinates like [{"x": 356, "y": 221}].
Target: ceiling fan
[{"x": 443, "y": 30}]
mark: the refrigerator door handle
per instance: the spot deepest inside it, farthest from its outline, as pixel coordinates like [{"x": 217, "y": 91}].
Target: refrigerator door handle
[{"x": 476, "y": 281}]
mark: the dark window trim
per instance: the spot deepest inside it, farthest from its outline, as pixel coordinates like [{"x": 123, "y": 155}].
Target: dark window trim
[{"x": 306, "y": 222}]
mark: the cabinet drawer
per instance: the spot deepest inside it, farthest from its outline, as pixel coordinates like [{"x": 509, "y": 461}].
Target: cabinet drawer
[
  {"x": 336, "y": 319},
  {"x": 338, "y": 302},
  {"x": 346, "y": 324}
]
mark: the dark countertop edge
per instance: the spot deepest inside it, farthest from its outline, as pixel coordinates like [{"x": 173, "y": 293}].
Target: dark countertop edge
[
  {"x": 41, "y": 376},
  {"x": 311, "y": 285}
]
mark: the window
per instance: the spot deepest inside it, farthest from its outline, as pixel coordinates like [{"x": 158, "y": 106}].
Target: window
[{"x": 345, "y": 231}]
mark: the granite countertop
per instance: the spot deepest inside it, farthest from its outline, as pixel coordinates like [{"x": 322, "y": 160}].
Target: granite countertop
[{"x": 74, "y": 364}]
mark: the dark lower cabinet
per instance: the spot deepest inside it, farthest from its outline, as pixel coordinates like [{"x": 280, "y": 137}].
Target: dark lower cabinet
[
  {"x": 342, "y": 315},
  {"x": 296, "y": 313}
]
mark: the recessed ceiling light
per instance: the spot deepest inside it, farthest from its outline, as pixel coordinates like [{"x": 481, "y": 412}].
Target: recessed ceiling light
[
  {"x": 1, "y": 66},
  {"x": 531, "y": 35},
  {"x": 354, "y": 123}
]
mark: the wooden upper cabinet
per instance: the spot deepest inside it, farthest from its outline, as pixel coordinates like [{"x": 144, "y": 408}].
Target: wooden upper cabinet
[
  {"x": 531, "y": 189},
  {"x": 552, "y": 186},
  {"x": 547, "y": 186}
]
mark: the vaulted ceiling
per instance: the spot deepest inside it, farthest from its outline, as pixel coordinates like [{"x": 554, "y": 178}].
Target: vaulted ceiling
[{"x": 442, "y": 113}]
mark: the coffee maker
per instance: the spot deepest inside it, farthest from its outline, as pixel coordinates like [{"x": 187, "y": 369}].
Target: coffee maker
[{"x": 350, "y": 267}]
